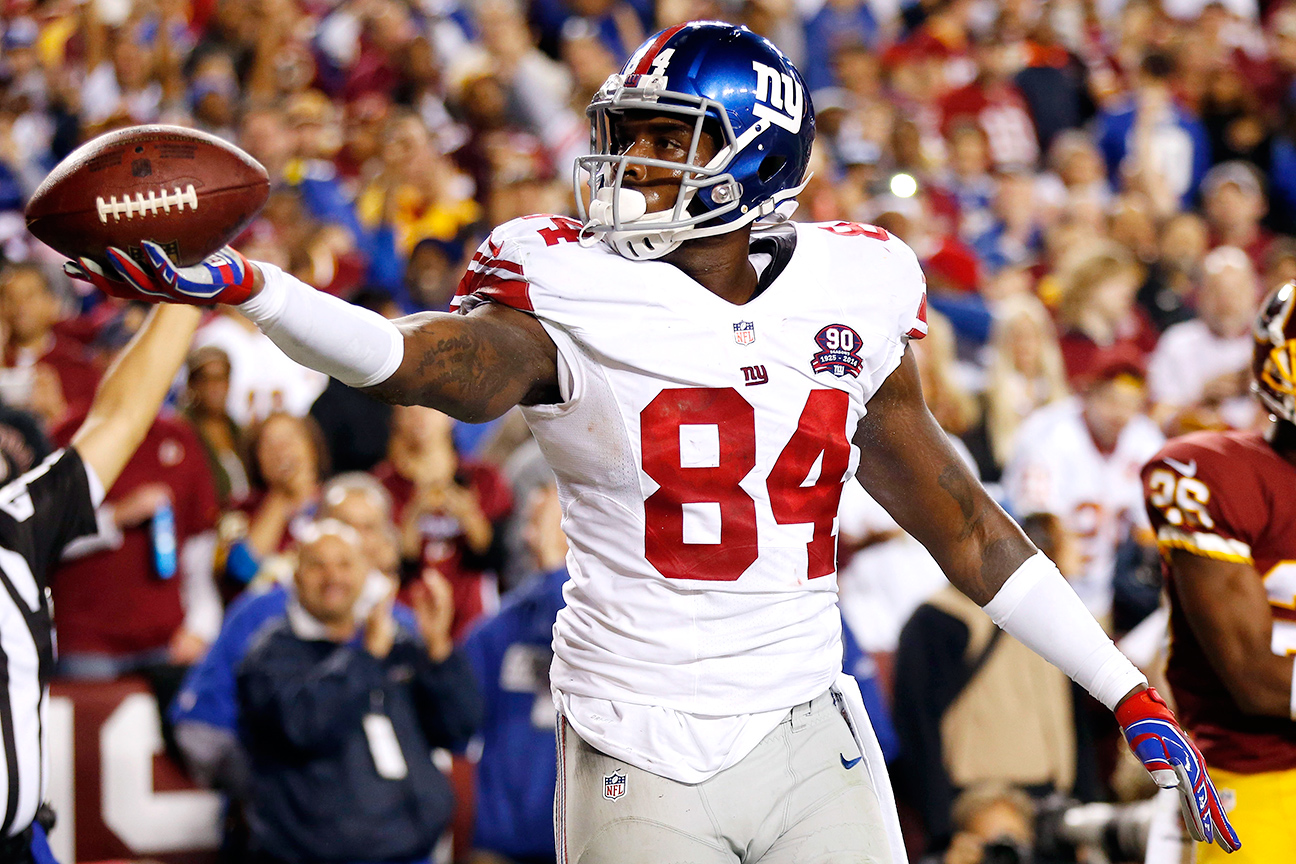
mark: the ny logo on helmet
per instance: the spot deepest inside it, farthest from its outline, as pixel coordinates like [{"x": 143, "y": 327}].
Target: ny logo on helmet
[{"x": 779, "y": 98}]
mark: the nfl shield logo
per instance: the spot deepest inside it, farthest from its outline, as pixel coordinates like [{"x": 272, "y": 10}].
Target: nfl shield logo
[
  {"x": 614, "y": 785},
  {"x": 745, "y": 332}
]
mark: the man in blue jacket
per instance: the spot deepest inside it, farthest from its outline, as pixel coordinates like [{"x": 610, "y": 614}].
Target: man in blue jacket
[
  {"x": 340, "y": 710},
  {"x": 205, "y": 712}
]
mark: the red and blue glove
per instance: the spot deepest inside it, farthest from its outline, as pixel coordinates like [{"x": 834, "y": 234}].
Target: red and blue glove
[
  {"x": 1175, "y": 762},
  {"x": 225, "y": 276}
]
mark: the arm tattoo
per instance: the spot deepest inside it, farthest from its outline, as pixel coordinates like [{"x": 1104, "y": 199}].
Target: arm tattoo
[
  {"x": 1001, "y": 553},
  {"x": 467, "y": 372},
  {"x": 955, "y": 482},
  {"x": 461, "y": 369}
]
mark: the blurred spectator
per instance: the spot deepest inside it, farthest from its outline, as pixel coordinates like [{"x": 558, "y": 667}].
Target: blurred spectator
[
  {"x": 433, "y": 273},
  {"x": 1235, "y": 204},
  {"x": 992, "y": 818},
  {"x": 620, "y": 25},
  {"x": 996, "y": 104},
  {"x": 948, "y": 400},
  {"x": 1096, "y": 313},
  {"x": 340, "y": 708},
  {"x": 262, "y": 379},
  {"x": 205, "y": 397},
  {"x": 43, "y": 371},
  {"x": 510, "y": 655},
  {"x": 140, "y": 593},
  {"x": 1025, "y": 371},
  {"x": 132, "y": 70},
  {"x": 1150, "y": 139},
  {"x": 449, "y": 510},
  {"x": 1077, "y": 168},
  {"x": 973, "y": 706},
  {"x": 416, "y": 195},
  {"x": 1199, "y": 375},
  {"x": 1166, "y": 294},
  {"x": 837, "y": 23},
  {"x": 213, "y": 93},
  {"x": 287, "y": 462},
  {"x": 969, "y": 180},
  {"x": 1013, "y": 237},
  {"x": 1280, "y": 265},
  {"x": 205, "y": 712},
  {"x": 1079, "y": 459}
]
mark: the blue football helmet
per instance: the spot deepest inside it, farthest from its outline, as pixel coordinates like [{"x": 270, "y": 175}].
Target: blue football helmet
[{"x": 739, "y": 87}]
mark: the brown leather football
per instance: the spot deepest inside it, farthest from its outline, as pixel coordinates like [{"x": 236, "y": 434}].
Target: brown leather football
[{"x": 186, "y": 190}]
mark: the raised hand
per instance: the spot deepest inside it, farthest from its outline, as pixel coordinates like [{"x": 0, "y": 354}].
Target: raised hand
[
  {"x": 225, "y": 276},
  {"x": 1175, "y": 762},
  {"x": 433, "y": 600}
]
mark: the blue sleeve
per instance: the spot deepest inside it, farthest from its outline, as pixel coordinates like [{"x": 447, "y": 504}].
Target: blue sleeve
[
  {"x": 207, "y": 694},
  {"x": 386, "y": 265},
  {"x": 1201, "y": 155},
  {"x": 327, "y": 202},
  {"x": 242, "y": 564},
  {"x": 859, "y": 665},
  {"x": 968, "y": 314},
  {"x": 1282, "y": 174},
  {"x": 1110, "y": 131}
]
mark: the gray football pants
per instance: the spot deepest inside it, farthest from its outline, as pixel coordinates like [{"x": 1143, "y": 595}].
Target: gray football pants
[{"x": 792, "y": 800}]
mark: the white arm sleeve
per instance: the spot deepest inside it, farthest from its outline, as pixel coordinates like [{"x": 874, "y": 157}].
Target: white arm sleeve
[
  {"x": 1038, "y": 608},
  {"x": 358, "y": 347}
]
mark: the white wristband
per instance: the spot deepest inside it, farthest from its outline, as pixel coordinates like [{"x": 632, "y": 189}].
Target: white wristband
[
  {"x": 1039, "y": 609},
  {"x": 358, "y": 347}
]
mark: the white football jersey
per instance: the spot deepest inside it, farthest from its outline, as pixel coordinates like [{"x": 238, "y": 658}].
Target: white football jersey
[
  {"x": 1056, "y": 468},
  {"x": 700, "y": 451}
]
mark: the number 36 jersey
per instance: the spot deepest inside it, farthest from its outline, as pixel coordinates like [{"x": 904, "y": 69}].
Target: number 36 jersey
[
  {"x": 1227, "y": 496},
  {"x": 700, "y": 451}
]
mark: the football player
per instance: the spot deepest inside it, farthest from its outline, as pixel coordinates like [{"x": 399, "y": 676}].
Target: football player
[
  {"x": 703, "y": 377},
  {"x": 1225, "y": 520}
]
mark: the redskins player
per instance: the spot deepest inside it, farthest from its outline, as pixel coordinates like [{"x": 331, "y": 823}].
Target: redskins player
[
  {"x": 1224, "y": 512},
  {"x": 703, "y": 376}
]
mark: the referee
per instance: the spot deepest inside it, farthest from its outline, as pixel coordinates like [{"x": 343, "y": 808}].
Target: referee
[{"x": 40, "y": 513}]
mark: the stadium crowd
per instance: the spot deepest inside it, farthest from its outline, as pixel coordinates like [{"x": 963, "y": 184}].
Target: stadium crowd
[{"x": 1099, "y": 192}]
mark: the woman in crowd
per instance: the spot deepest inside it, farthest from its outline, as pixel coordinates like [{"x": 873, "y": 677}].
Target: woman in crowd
[
  {"x": 206, "y": 392},
  {"x": 287, "y": 462},
  {"x": 1025, "y": 370},
  {"x": 1096, "y": 313},
  {"x": 449, "y": 510}
]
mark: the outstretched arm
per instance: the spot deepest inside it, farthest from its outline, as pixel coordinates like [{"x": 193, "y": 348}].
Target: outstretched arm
[
  {"x": 473, "y": 367},
  {"x": 132, "y": 391},
  {"x": 907, "y": 464}
]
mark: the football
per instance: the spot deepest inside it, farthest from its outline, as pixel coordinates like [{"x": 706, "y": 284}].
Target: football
[{"x": 188, "y": 191}]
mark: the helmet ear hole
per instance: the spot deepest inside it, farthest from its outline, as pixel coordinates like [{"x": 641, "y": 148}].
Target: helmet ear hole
[{"x": 770, "y": 166}]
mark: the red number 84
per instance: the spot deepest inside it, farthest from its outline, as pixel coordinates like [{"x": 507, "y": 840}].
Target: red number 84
[{"x": 820, "y": 430}]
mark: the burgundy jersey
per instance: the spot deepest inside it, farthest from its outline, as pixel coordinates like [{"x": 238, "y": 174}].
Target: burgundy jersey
[
  {"x": 1228, "y": 496},
  {"x": 444, "y": 547}
]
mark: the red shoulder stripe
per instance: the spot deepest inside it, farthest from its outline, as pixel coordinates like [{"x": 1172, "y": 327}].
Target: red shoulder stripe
[{"x": 487, "y": 263}]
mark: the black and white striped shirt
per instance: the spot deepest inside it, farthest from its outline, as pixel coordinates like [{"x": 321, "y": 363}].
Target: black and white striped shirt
[{"x": 40, "y": 513}]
